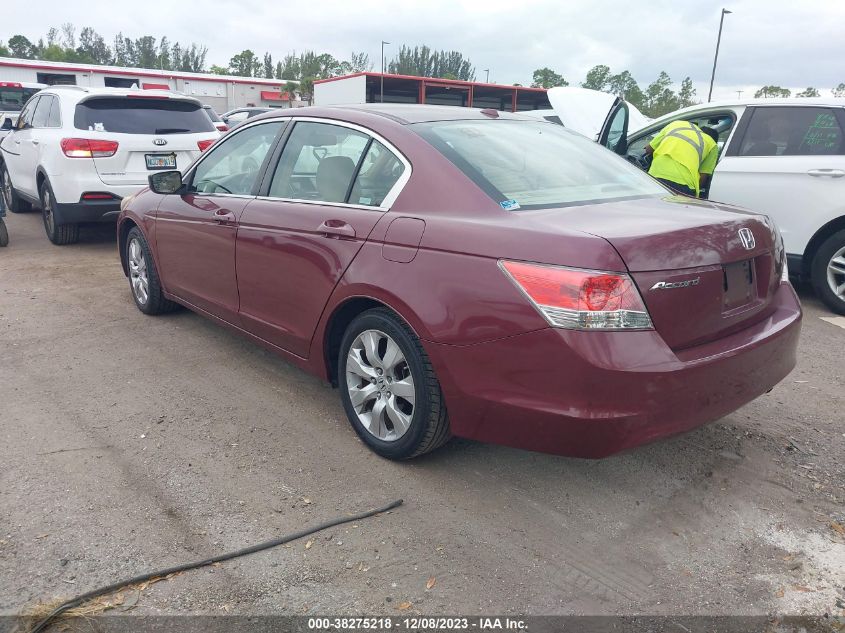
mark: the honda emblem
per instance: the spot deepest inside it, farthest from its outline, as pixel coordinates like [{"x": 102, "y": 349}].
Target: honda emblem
[{"x": 747, "y": 238}]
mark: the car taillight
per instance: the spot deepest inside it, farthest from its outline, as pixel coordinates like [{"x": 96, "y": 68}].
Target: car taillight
[
  {"x": 204, "y": 145},
  {"x": 581, "y": 299},
  {"x": 222, "y": 127},
  {"x": 88, "y": 148}
]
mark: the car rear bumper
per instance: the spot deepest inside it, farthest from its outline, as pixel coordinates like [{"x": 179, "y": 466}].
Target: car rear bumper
[
  {"x": 87, "y": 211},
  {"x": 593, "y": 394}
]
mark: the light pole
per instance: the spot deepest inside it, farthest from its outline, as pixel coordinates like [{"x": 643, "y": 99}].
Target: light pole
[
  {"x": 716, "y": 57},
  {"x": 381, "y": 96},
  {"x": 487, "y": 70}
]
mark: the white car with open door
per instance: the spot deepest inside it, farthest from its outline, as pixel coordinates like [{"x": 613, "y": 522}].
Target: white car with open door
[
  {"x": 781, "y": 157},
  {"x": 76, "y": 152}
]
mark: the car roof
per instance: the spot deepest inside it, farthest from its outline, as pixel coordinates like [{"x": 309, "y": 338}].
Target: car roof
[
  {"x": 400, "y": 112},
  {"x": 83, "y": 93},
  {"x": 743, "y": 103}
]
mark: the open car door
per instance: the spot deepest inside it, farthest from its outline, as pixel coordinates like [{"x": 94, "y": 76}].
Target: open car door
[{"x": 601, "y": 116}]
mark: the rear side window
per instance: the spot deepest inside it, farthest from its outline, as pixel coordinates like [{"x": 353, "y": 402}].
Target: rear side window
[
  {"x": 379, "y": 172},
  {"x": 55, "y": 118},
  {"x": 141, "y": 115},
  {"x": 793, "y": 131},
  {"x": 42, "y": 112}
]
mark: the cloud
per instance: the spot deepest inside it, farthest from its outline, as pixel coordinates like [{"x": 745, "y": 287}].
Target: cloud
[{"x": 764, "y": 41}]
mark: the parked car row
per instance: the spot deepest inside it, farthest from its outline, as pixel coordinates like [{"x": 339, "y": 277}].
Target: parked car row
[
  {"x": 470, "y": 273},
  {"x": 781, "y": 157}
]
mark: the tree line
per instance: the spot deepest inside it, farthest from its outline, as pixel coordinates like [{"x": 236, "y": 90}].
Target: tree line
[
  {"x": 300, "y": 70},
  {"x": 658, "y": 98}
]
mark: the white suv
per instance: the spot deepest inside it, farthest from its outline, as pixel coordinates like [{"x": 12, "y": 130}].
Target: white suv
[
  {"x": 781, "y": 157},
  {"x": 76, "y": 152}
]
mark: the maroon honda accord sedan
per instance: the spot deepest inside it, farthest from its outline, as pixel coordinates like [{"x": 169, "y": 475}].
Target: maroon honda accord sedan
[{"x": 470, "y": 273}]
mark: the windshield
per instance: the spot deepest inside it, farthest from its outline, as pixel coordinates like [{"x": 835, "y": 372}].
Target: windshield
[
  {"x": 528, "y": 165},
  {"x": 12, "y": 99},
  {"x": 141, "y": 115}
]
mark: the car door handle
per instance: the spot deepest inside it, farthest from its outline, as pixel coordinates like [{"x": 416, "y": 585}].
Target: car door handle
[
  {"x": 337, "y": 229},
  {"x": 34, "y": 141},
  {"x": 830, "y": 173},
  {"x": 221, "y": 216}
]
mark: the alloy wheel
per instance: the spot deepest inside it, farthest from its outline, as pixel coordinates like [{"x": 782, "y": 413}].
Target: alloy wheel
[
  {"x": 47, "y": 211},
  {"x": 836, "y": 273},
  {"x": 380, "y": 385},
  {"x": 138, "y": 276}
]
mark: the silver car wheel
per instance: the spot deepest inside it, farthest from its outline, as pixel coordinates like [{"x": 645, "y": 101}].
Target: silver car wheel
[
  {"x": 380, "y": 385},
  {"x": 138, "y": 276},
  {"x": 47, "y": 211},
  {"x": 836, "y": 273}
]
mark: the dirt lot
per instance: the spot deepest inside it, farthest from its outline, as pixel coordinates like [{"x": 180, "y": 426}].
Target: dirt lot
[{"x": 131, "y": 443}]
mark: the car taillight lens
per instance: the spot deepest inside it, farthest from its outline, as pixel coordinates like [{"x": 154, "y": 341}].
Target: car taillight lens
[
  {"x": 222, "y": 127},
  {"x": 581, "y": 299},
  {"x": 204, "y": 145},
  {"x": 88, "y": 148}
]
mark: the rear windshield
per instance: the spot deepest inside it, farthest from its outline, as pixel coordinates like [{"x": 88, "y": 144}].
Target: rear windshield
[
  {"x": 535, "y": 165},
  {"x": 141, "y": 115},
  {"x": 13, "y": 98}
]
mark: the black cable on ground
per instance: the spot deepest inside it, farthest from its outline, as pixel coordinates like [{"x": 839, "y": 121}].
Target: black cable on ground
[{"x": 102, "y": 591}]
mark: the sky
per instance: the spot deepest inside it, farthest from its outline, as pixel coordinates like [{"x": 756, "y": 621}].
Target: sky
[{"x": 787, "y": 43}]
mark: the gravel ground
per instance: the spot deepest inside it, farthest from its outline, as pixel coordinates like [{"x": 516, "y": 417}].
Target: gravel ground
[{"x": 132, "y": 443}]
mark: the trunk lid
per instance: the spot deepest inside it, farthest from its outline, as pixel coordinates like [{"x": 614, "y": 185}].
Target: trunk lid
[{"x": 704, "y": 270}]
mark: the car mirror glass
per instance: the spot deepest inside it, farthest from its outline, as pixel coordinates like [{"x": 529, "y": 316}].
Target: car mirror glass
[{"x": 166, "y": 182}]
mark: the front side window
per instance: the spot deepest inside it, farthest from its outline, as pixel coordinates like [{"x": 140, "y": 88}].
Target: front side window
[
  {"x": 793, "y": 131},
  {"x": 617, "y": 128},
  {"x": 25, "y": 118},
  {"x": 232, "y": 167},
  {"x": 528, "y": 165},
  {"x": 141, "y": 115},
  {"x": 318, "y": 163}
]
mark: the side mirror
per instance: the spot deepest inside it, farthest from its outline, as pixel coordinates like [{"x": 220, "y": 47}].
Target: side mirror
[
  {"x": 166, "y": 182},
  {"x": 7, "y": 125}
]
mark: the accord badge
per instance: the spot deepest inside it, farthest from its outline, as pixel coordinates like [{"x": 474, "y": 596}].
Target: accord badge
[{"x": 669, "y": 285}]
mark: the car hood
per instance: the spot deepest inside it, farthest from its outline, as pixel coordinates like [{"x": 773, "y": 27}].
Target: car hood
[{"x": 585, "y": 110}]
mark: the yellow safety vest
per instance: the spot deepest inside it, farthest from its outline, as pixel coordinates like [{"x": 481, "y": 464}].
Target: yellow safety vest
[{"x": 681, "y": 152}]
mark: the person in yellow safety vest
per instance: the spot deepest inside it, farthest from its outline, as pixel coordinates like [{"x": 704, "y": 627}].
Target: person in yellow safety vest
[{"x": 683, "y": 156}]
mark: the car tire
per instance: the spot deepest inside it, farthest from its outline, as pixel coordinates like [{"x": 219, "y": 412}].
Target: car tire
[
  {"x": 390, "y": 394},
  {"x": 144, "y": 282},
  {"x": 14, "y": 202},
  {"x": 59, "y": 234},
  {"x": 828, "y": 272},
  {"x": 4, "y": 233}
]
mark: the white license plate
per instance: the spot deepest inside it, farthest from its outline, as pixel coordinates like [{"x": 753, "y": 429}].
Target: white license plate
[{"x": 161, "y": 161}]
